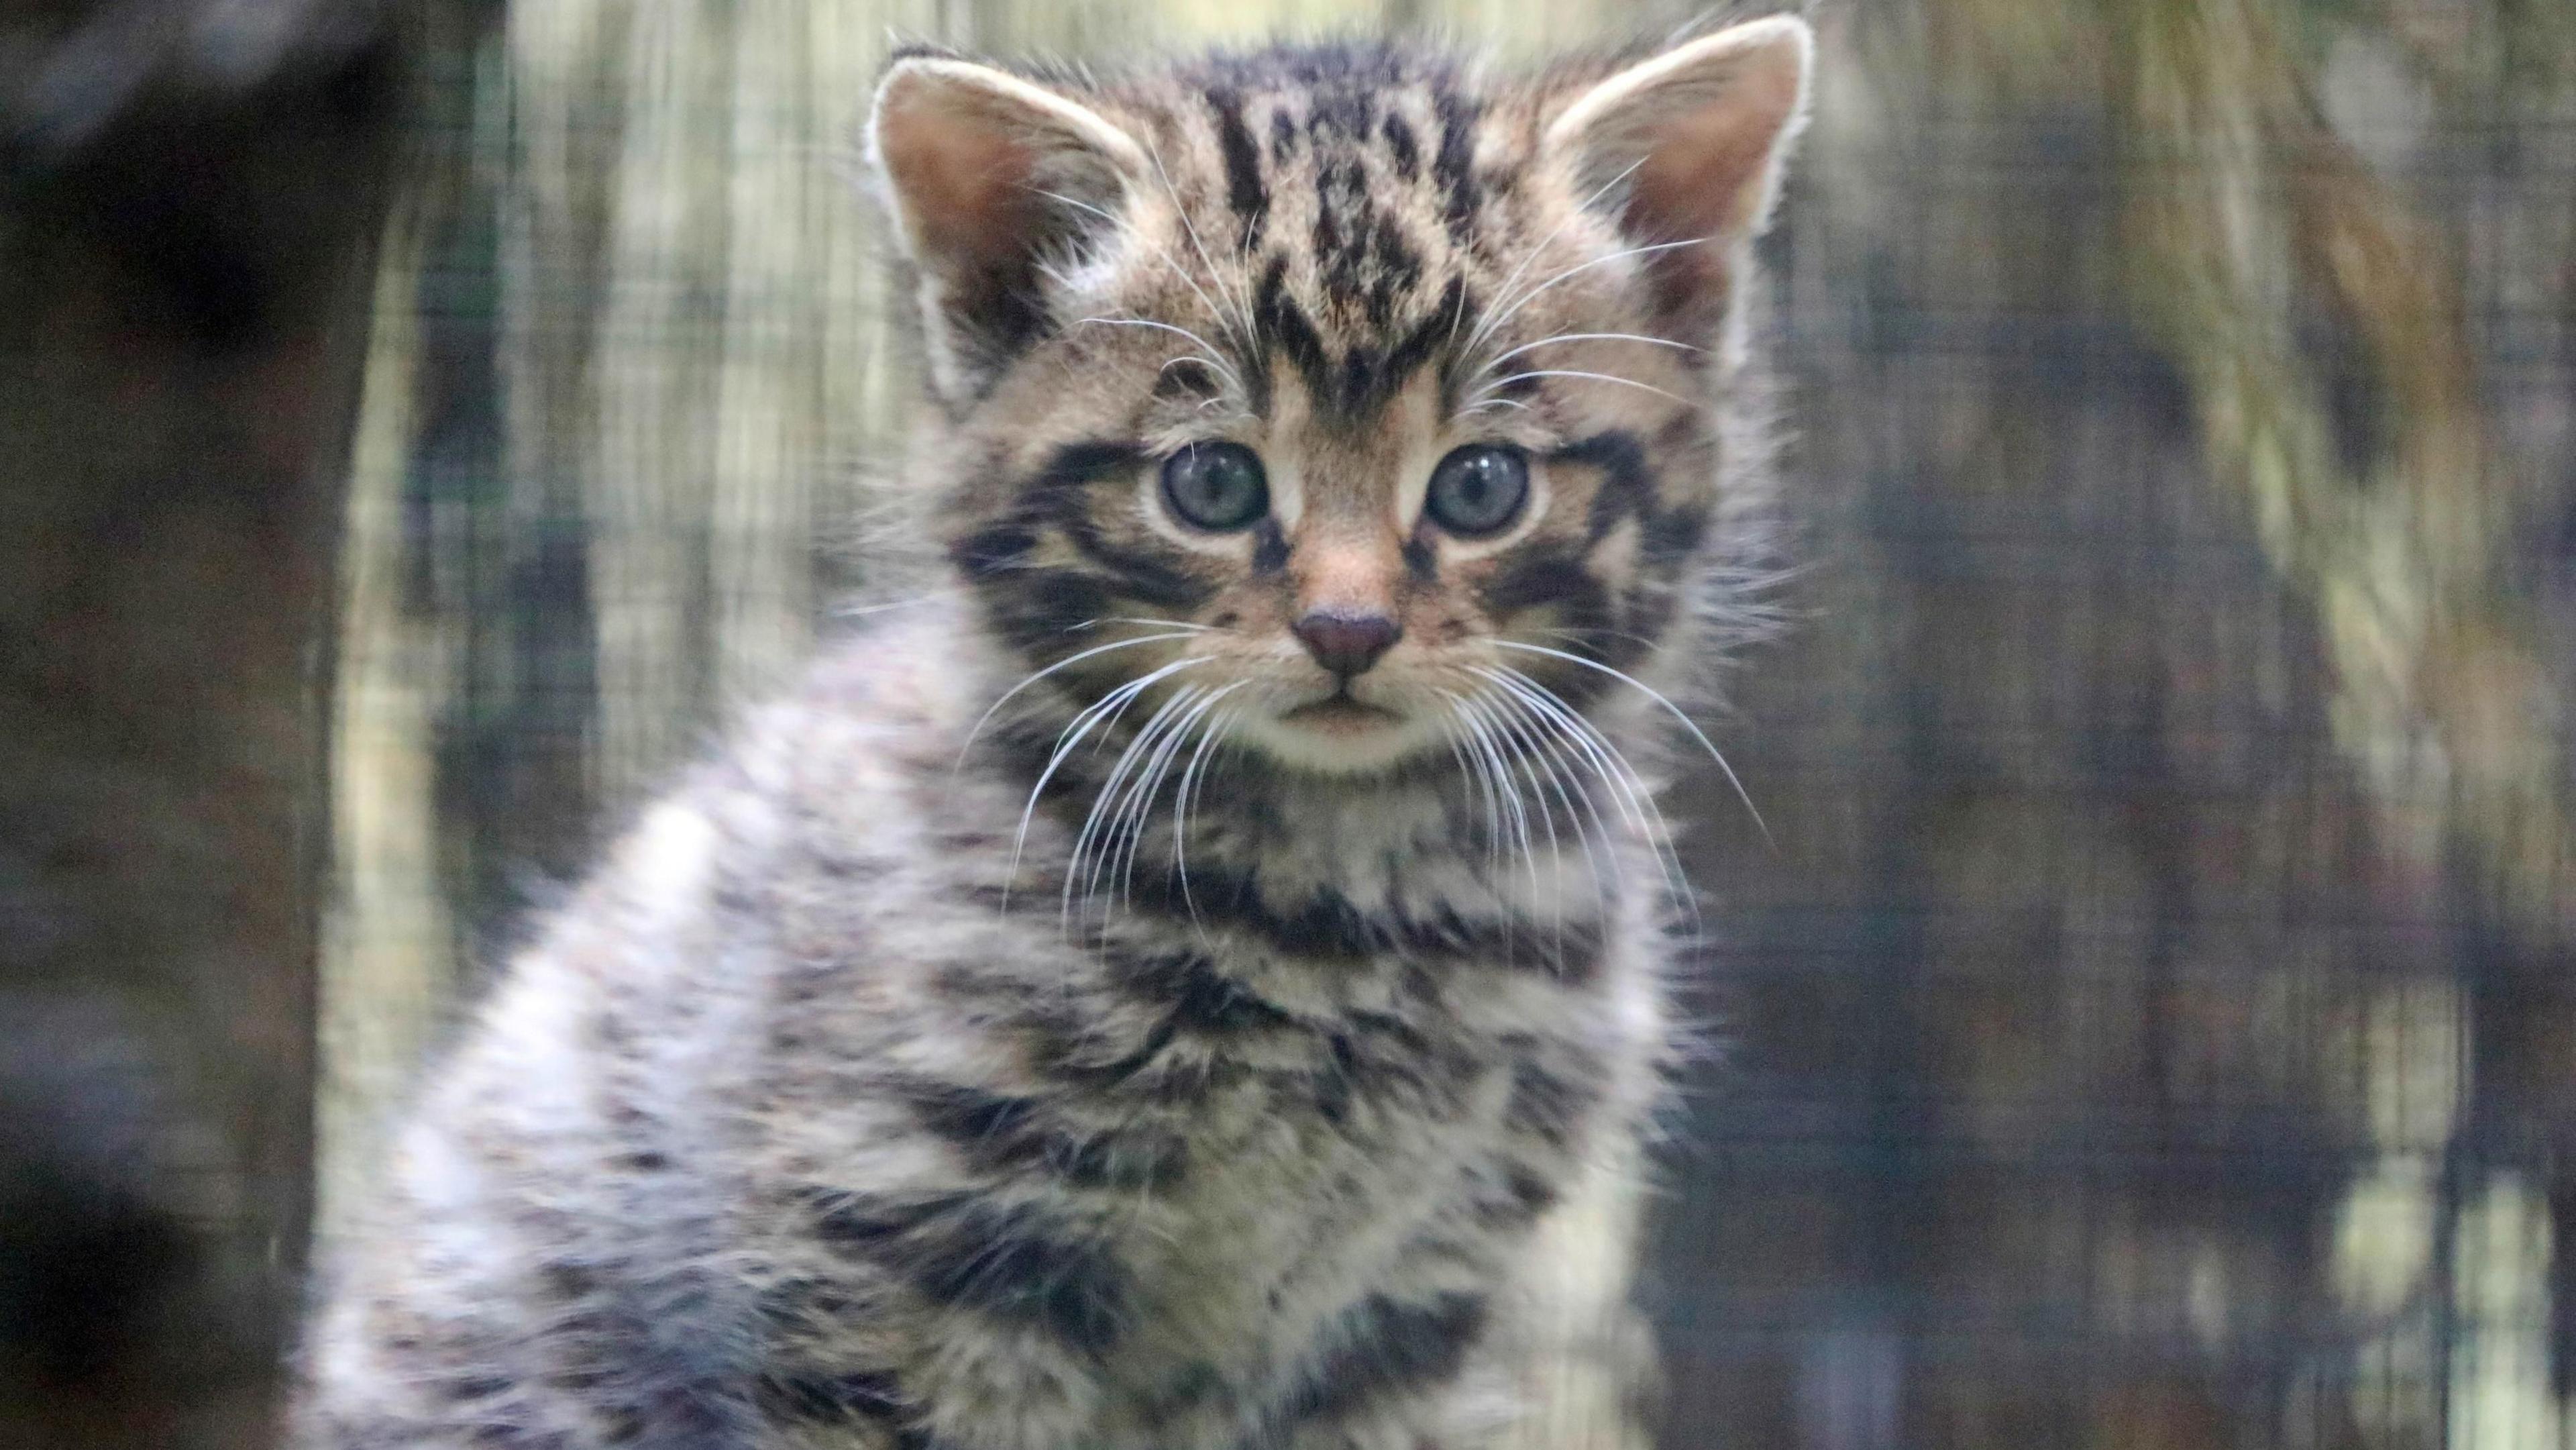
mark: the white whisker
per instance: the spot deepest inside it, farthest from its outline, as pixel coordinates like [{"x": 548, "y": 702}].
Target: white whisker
[
  {"x": 1632, "y": 802},
  {"x": 1100, "y": 819},
  {"x": 1070, "y": 737},
  {"x": 862, "y": 611},
  {"x": 1164, "y": 253},
  {"x": 1504, "y": 301},
  {"x": 1486, "y": 329},
  {"x": 1537, "y": 705},
  {"x": 1501, "y": 358},
  {"x": 1525, "y": 716},
  {"x": 1191, "y": 777},
  {"x": 1514, "y": 810},
  {"x": 1127, "y": 817},
  {"x": 1505, "y": 382},
  {"x": 1585, "y": 633},
  {"x": 1533, "y": 759},
  {"x": 1067, "y": 662},
  {"x": 1637, "y": 803},
  {"x": 1178, "y": 740},
  {"x": 1149, "y": 623},
  {"x": 1243, "y": 312},
  {"x": 1481, "y": 750},
  {"x": 1675, "y": 710},
  {"x": 1462, "y": 746},
  {"x": 1207, "y": 355},
  {"x": 1454, "y": 735}
]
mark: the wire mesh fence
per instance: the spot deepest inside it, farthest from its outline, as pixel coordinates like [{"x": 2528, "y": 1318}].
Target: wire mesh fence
[{"x": 2149, "y": 1022}]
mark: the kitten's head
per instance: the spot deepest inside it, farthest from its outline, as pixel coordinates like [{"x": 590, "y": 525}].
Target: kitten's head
[{"x": 1350, "y": 394}]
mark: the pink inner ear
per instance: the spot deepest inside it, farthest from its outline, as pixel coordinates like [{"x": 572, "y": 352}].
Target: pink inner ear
[
  {"x": 1704, "y": 172},
  {"x": 1699, "y": 143},
  {"x": 963, "y": 173}
]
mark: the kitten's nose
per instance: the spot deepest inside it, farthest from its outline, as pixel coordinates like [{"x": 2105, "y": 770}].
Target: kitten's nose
[{"x": 1346, "y": 644}]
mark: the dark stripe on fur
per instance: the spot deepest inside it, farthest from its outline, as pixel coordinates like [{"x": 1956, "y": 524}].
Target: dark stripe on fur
[
  {"x": 1243, "y": 189},
  {"x": 1506, "y": 1195},
  {"x": 1073, "y": 468},
  {"x": 1387, "y": 1348},
  {"x": 1001, "y": 1134},
  {"x": 1016, "y": 1262},
  {"x": 1050, "y": 495},
  {"x": 1672, "y": 536},
  {"x": 1269, "y": 547},
  {"x": 1199, "y": 998},
  {"x": 1454, "y": 166},
  {"x": 994, "y": 549},
  {"x": 1196, "y": 1003},
  {"x": 1326, "y": 925},
  {"x": 1547, "y": 1105},
  {"x": 1627, "y": 487},
  {"x": 867, "y": 1397},
  {"x": 1370, "y": 379},
  {"x": 1135, "y": 573},
  {"x": 1421, "y": 559},
  {"x": 1384, "y": 1062},
  {"x": 1547, "y": 574},
  {"x": 1283, "y": 326},
  {"x": 1031, "y": 605},
  {"x": 1043, "y": 611},
  {"x": 1401, "y": 146},
  {"x": 1428, "y": 336},
  {"x": 1189, "y": 377}
]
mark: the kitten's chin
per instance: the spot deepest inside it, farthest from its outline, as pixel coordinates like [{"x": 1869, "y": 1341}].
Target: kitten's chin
[{"x": 1340, "y": 736}]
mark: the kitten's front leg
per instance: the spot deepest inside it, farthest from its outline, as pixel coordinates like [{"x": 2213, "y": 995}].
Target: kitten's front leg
[{"x": 1571, "y": 1364}]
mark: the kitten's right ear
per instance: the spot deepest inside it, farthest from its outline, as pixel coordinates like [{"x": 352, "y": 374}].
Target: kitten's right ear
[{"x": 989, "y": 176}]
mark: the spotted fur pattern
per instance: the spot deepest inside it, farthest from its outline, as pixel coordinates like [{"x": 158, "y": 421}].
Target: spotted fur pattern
[{"x": 1045, "y": 1031}]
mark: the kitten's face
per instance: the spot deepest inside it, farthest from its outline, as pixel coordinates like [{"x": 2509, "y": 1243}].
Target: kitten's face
[{"x": 1357, "y": 402}]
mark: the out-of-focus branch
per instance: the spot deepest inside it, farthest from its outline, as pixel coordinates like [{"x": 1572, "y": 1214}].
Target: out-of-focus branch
[{"x": 2245, "y": 212}]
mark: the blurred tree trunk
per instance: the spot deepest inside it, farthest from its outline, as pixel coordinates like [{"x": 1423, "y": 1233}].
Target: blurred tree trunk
[{"x": 189, "y": 194}]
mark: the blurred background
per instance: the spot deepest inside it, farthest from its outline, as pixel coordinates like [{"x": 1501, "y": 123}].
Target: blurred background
[{"x": 2154, "y": 1026}]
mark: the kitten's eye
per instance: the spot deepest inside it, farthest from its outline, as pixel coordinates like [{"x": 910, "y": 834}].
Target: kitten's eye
[
  {"x": 1216, "y": 486},
  {"x": 1478, "y": 489}
]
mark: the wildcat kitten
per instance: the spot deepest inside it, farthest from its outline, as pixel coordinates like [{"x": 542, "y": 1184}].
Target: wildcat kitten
[{"x": 1202, "y": 991}]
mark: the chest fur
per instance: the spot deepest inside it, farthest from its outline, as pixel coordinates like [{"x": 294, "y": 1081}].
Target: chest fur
[
  {"x": 1179, "y": 1152},
  {"x": 1184, "y": 1158}
]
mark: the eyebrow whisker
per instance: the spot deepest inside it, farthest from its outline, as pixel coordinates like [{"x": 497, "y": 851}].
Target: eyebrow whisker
[{"x": 1503, "y": 382}]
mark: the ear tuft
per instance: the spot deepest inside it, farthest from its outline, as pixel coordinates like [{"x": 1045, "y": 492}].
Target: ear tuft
[
  {"x": 1689, "y": 147},
  {"x": 987, "y": 174}
]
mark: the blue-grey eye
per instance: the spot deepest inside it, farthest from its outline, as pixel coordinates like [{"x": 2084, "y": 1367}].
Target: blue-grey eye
[
  {"x": 1216, "y": 486},
  {"x": 1478, "y": 489}
]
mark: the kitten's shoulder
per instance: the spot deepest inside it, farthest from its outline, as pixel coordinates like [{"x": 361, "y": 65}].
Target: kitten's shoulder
[
  {"x": 831, "y": 777},
  {"x": 883, "y": 704},
  {"x": 846, "y": 762}
]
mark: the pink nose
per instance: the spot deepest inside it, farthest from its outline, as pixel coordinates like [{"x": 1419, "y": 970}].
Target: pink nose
[{"x": 1346, "y": 644}]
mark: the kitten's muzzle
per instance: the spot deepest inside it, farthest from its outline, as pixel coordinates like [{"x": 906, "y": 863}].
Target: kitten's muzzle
[{"x": 1346, "y": 644}]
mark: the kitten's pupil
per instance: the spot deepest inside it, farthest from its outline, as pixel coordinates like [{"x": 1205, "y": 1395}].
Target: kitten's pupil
[
  {"x": 1219, "y": 487},
  {"x": 1478, "y": 489}
]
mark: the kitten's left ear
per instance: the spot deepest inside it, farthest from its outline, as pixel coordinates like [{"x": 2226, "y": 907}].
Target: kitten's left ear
[
  {"x": 1688, "y": 148},
  {"x": 990, "y": 176}
]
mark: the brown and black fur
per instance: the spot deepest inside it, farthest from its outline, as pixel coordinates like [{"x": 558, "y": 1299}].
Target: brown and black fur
[{"x": 988, "y": 1051}]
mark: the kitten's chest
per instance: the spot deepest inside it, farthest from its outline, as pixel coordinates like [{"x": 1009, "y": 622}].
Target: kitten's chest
[
  {"x": 1374, "y": 1138},
  {"x": 1330, "y": 1126}
]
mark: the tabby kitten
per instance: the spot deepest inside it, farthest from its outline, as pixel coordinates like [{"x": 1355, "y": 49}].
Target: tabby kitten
[{"x": 1196, "y": 985}]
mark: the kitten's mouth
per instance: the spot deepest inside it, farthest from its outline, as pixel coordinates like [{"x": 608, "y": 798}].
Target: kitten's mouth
[{"x": 1339, "y": 714}]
